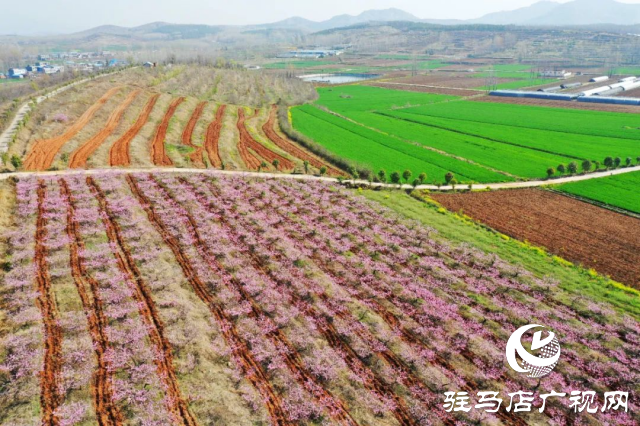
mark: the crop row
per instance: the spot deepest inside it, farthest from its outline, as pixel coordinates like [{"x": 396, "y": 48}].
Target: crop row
[{"x": 325, "y": 307}]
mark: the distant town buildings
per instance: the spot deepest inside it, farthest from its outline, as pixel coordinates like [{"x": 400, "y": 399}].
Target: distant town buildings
[
  {"x": 310, "y": 54},
  {"x": 555, "y": 74}
]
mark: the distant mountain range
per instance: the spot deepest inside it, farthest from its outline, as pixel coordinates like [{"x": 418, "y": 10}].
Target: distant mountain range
[{"x": 543, "y": 13}]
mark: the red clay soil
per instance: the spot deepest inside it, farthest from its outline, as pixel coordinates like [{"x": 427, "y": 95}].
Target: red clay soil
[
  {"x": 44, "y": 151},
  {"x": 211, "y": 139},
  {"x": 251, "y": 369},
  {"x": 107, "y": 412},
  {"x": 559, "y": 104},
  {"x": 81, "y": 155},
  {"x": 248, "y": 142},
  {"x": 606, "y": 241},
  {"x": 196, "y": 156},
  {"x": 158, "y": 153},
  {"x": 50, "y": 380},
  {"x": 148, "y": 311},
  {"x": 291, "y": 148},
  {"x": 291, "y": 357},
  {"x": 119, "y": 153}
]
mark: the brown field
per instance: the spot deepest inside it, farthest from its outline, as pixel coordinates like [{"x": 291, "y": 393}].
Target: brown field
[
  {"x": 559, "y": 104},
  {"x": 252, "y": 150},
  {"x": 119, "y": 153},
  {"x": 427, "y": 89},
  {"x": 606, "y": 241},
  {"x": 44, "y": 151},
  {"x": 454, "y": 80}
]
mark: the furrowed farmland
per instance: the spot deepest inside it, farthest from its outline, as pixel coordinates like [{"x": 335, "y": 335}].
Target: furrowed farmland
[
  {"x": 160, "y": 118},
  {"x": 514, "y": 142},
  {"x": 165, "y": 298}
]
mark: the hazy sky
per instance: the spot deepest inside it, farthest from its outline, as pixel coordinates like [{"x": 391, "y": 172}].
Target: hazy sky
[{"x": 51, "y": 16}]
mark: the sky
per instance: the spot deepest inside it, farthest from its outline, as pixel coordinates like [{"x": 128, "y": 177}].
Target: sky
[{"x": 67, "y": 16}]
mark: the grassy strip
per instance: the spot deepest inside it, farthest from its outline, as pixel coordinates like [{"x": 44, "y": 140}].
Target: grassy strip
[{"x": 575, "y": 281}]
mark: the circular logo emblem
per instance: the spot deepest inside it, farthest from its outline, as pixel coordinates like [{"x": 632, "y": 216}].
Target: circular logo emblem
[{"x": 544, "y": 354}]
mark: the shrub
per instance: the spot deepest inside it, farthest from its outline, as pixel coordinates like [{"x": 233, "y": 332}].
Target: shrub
[
  {"x": 382, "y": 175},
  {"x": 422, "y": 177},
  {"x": 608, "y": 162},
  {"x": 573, "y": 167},
  {"x": 16, "y": 161},
  {"x": 586, "y": 166},
  {"x": 416, "y": 182},
  {"x": 323, "y": 170},
  {"x": 406, "y": 175},
  {"x": 395, "y": 177},
  {"x": 448, "y": 177},
  {"x": 561, "y": 168},
  {"x": 628, "y": 161},
  {"x": 617, "y": 161},
  {"x": 638, "y": 160}
]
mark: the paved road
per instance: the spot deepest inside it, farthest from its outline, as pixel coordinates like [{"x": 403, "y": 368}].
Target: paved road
[
  {"x": 507, "y": 185},
  {"x": 10, "y": 131}
]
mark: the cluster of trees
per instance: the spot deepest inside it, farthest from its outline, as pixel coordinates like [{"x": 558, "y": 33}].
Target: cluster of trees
[{"x": 587, "y": 166}]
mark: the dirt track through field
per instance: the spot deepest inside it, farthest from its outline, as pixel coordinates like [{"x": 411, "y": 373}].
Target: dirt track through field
[
  {"x": 44, "y": 151},
  {"x": 107, "y": 413},
  {"x": 291, "y": 357},
  {"x": 147, "y": 309},
  {"x": 81, "y": 155},
  {"x": 248, "y": 142},
  {"x": 158, "y": 152},
  {"x": 251, "y": 369},
  {"x": 119, "y": 152},
  {"x": 212, "y": 138},
  {"x": 598, "y": 238},
  {"x": 290, "y": 147},
  {"x": 50, "y": 380},
  {"x": 196, "y": 156}
]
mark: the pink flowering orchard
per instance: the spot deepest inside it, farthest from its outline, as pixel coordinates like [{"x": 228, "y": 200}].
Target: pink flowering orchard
[{"x": 198, "y": 299}]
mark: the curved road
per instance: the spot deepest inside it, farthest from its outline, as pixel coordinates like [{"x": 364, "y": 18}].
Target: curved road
[{"x": 507, "y": 185}]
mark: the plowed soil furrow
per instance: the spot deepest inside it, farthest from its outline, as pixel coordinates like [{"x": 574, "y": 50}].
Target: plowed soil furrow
[
  {"x": 50, "y": 397},
  {"x": 158, "y": 152},
  {"x": 248, "y": 142},
  {"x": 148, "y": 311},
  {"x": 44, "y": 151},
  {"x": 324, "y": 324},
  {"x": 212, "y": 138},
  {"x": 290, "y": 147},
  {"x": 196, "y": 156},
  {"x": 252, "y": 371},
  {"x": 392, "y": 321},
  {"x": 81, "y": 155},
  {"x": 107, "y": 413},
  {"x": 119, "y": 153},
  {"x": 293, "y": 360}
]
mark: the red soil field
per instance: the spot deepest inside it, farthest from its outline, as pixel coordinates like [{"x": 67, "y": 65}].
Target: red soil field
[
  {"x": 107, "y": 412},
  {"x": 248, "y": 364},
  {"x": 119, "y": 153},
  {"x": 81, "y": 155},
  {"x": 158, "y": 153},
  {"x": 247, "y": 142},
  {"x": 559, "y": 104},
  {"x": 289, "y": 147},
  {"x": 606, "y": 241},
  {"x": 50, "y": 398},
  {"x": 211, "y": 139},
  {"x": 176, "y": 404},
  {"x": 196, "y": 156},
  {"x": 427, "y": 89},
  {"x": 44, "y": 151}
]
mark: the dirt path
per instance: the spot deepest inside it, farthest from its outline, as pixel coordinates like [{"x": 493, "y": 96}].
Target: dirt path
[
  {"x": 44, "y": 151},
  {"x": 158, "y": 154},
  {"x": 251, "y": 369},
  {"x": 269, "y": 129},
  {"x": 147, "y": 309},
  {"x": 81, "y": 155},
  {"x": 107, "y": 413},
  {"x": 50, "y": 380},
  {"x": 212, "y": 138},
  {"x": 265, "y": 175},
  {"x": 119, "y": 152},
  {"x": 196, "y": 156},
  {"x": 248, "y": 142}
]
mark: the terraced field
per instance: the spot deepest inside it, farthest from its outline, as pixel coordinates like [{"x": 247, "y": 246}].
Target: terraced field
[{"x": 127, "y": 122}]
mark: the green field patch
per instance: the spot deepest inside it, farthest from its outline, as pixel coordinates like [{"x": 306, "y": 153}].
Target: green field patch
[
  {"x": 621, "y": 191},
  {"x": 379, "y": 151}
]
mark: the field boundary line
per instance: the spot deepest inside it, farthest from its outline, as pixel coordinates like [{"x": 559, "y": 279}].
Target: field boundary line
[
  {"x": 265, "y": 175},
  {"x": 595, "y": 203}
]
